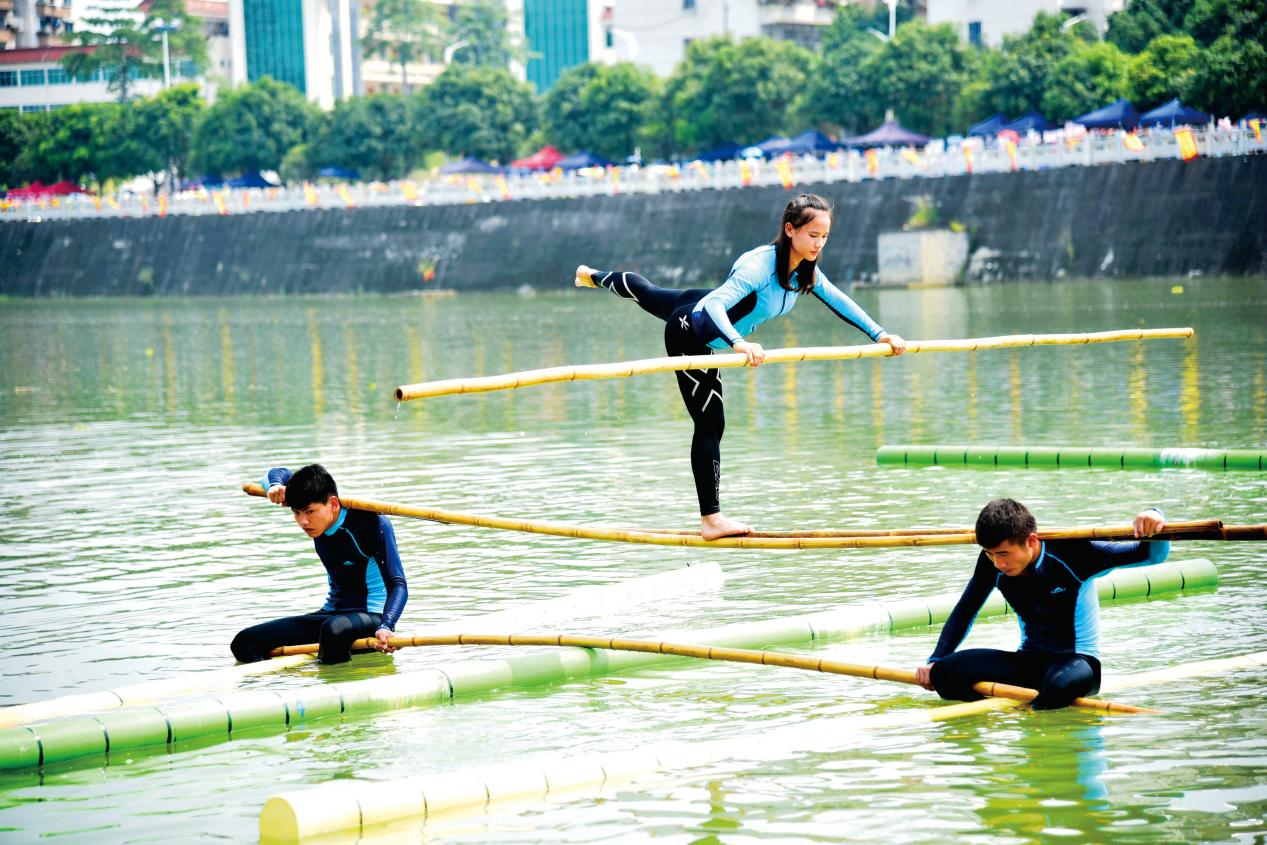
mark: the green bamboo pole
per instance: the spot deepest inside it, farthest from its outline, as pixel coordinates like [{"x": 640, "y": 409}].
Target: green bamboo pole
[
  {"x": 350, "y": 806},
  {"x": 215, "y": 718},
  {"x": 624, "y": 369},
  {"x": 1072, "y": 457},
  {"x": 1209, "y": 529}
]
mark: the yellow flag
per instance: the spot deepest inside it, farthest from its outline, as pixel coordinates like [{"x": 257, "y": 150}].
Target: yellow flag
[
  {"x": 1256, "y": 125},
  {"x": 346, "y": 196},
  {"x": 912, "y": 156},
  {"x": 745, "y": 173},
  {"x": 503, "y": 187},
  {"x": 785, "y": 172},
  {"x": 218, "y": 199},
  {"x": 310, "y": 194},
  {"x": 873, "y": 162},
  {"x": 1131, "y": 141},
  {"x": 1010, "y": 146},
  {"x": 162, "y": 204},
  {"x": 615, "y": 181},
  {"x": 408, "y": 190},
  {"x": 967, "y": 158},
  {"x": 1187, "y": 143}
]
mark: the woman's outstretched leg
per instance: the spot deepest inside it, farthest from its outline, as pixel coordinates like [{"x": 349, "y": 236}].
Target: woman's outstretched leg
[{"x": 655, "y": 300}]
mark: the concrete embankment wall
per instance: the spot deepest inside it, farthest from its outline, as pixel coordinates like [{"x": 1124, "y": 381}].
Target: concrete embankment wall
[{"x": 1165, "y": 218}]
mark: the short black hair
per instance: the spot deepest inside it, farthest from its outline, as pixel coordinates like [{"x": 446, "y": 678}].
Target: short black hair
[
  {"x": 309, "y": 484},
  {"x": 1004, "y": 519}
]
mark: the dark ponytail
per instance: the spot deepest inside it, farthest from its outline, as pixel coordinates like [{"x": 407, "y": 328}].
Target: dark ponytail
[{"x": 799, "y": 211}]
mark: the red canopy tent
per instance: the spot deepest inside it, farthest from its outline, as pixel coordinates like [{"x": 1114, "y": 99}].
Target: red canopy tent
[
  {"x": 543, "y": 159},
  {"x": 31, "y": 191},
  {"x": 65, "y": 187}
]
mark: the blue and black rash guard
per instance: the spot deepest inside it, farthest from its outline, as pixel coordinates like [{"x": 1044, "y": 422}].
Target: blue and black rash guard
[
  {"x": 752, "y": 294},
  {"x": 362, "y": 565},
  {"x": 1055, "y": 599}
]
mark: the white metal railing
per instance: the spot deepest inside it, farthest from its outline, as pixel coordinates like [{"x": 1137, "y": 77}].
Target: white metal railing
[{"x": 938, "y": 159}]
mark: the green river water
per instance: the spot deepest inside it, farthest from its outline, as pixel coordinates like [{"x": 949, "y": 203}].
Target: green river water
[{"x": 130, "y": 554}]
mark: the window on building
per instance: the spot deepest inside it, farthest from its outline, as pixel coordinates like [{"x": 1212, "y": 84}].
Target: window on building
[
  {"x": 33, "y": 77},
  {"x": 58, "y": 76},
  {"x": 974, "y": 33},
  {"x": 93, "y": 75},
  {"x": 186, "y": 69},
  {"x": 29, "y": 109},
  {"x": 8, "y": 78},
  {"x": 688, "y": 5}
]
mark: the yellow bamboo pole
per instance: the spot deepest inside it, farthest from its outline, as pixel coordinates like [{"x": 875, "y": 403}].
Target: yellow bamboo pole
[
  {"x": 1201, "y": 530},
  {"x": 703, "y": 652},
  {"x": 624, "y": 369}
]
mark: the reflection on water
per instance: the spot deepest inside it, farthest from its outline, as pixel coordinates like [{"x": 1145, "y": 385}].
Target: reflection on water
[{"x": 130, "y": 554}]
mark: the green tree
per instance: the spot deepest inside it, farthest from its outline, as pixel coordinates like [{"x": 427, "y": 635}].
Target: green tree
[
  {"x": 1230, "y": 79},
  {"x": 835, "y": 98},
  {"x": 166, "y": 125},
  {"x": 482, "y": 28},
  {"x": 726, "y": 91},
  {"x": 252, "y": 128},
  {"x": 478, "y": 111},
  {"x": 404, "y": 31},
  {"x": 120, "y": 48},
  {"x": 373, "y": 135},
  {"x": 919, "y": 73},
  {"x": 1133, "y": 28},
  {"x": 1094, "y": 75},
  {"x": 1019, "y": 74},
  {"x": 601, "y": 108},
  {"x": 19, "y": 134},
  {"x": 83, "y": 143},
  {"x": 1164, "y": 70}
]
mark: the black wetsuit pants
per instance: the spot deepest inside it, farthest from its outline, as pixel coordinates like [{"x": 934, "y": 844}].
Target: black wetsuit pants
[
  {"x": 1059, "y": 677},
  {"x": 700, "y": 389},
  {"x": 333, "y": 631}
]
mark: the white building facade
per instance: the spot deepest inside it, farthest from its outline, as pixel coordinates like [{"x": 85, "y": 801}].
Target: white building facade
[
  {"x": 656, "y": 33},
  {"x": 985, "y": 22}
]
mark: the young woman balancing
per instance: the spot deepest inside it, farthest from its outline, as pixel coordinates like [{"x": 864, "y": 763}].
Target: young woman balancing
[{"x": 763, "y": 283}]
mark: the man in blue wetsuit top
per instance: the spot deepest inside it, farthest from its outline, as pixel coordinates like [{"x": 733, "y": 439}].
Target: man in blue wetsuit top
[
  {"x": 358, "y": 549},
  {"x": 1051, "y": 587}
]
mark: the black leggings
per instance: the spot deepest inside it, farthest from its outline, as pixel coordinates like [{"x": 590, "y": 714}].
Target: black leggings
[
  {"x": 1059, "y": 678},
  {"x": 333, "y": 631},
  {"x": 700, "y": 389}
]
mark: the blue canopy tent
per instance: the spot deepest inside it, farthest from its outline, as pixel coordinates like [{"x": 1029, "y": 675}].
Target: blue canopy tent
[
  {"x": 776, "y": 145},
  {"x": 888, "y": 134},
  {"x": 1030, "y": 122},
  {"x": 724, "y": 152},
  {"x": 1118, "y": 115},
  {"x": 813, "y": 141},
  {"x": 468, "y": 165},
  {"x": 989, "y": 127},
  {"x": 582, "y": 159},
  {"x": 1253, "y": 114},
  {"x": 338, "y": 173},
  {"x": 1174, "y": 113}
]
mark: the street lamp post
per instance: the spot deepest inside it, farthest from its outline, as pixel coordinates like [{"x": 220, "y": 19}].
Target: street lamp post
[{"x": 164, "y": 28}]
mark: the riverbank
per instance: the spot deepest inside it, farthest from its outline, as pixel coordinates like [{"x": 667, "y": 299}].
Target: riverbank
[{"x": 1156, "y": 219}]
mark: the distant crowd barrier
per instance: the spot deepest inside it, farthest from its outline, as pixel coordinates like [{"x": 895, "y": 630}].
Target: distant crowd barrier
[
  {"x": 939, "y": 158},
  {"x": 1072, "y": 457}
]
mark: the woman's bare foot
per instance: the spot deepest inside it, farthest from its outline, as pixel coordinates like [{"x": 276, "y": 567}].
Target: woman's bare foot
[
  {"x": 715, "y": 525},
  {"x": 585, "y": 277}
]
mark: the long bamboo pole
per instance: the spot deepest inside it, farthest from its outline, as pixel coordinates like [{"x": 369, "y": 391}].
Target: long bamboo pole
[
  {"x": 703, "y": 652},
  {"x": 624, "y": 369},
  {"x": 1210, "y": 529}
]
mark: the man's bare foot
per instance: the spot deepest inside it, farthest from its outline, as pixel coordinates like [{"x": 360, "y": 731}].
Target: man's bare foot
[
  {"x": 585, "y": 277},
  {"x": 715, "y": 525}
]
